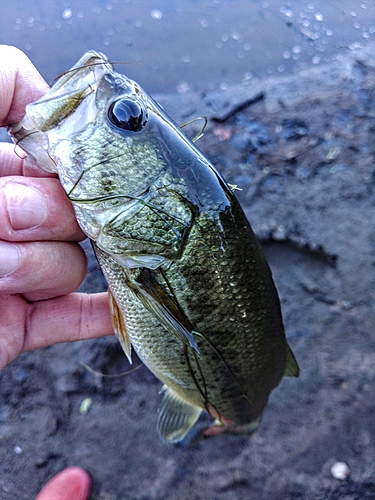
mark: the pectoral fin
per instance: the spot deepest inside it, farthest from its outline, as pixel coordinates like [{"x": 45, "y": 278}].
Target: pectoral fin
[
  {"x": 119, "y": 326},
  {"x": 163, "y": 305},
  {"x": 176, "y": 417},
  {"x": 291, "y": 367}
]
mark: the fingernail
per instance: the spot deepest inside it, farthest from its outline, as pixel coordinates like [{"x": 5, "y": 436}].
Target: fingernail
[
  {"x": 26, "y": 206},
  {"x": 10, "y": 258}
]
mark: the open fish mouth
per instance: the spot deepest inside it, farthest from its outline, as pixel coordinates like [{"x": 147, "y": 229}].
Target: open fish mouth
[{"x": 75, "y": 89}]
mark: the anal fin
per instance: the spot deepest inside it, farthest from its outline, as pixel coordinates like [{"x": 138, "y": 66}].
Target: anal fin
[
  {"x": 119, "y": 326},
  {"x": 176, "y": 417}
]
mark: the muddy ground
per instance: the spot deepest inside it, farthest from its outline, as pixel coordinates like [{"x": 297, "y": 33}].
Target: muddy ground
[{"x": 302, "y": 150}]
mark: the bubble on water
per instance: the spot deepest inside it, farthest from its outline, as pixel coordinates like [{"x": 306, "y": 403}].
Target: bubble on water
[
  {"x": 296, "y": 49},
  {"x": 287, "y": 13},
  {"x": 319, "y": 16},
  {"x": 247, "y": 46},
  {"x": 18, "y": 21},
  {"x": 17, "y": 450},
  {"x": 306, "y": 23},
  {"x": 355, "y": 46},
  {"x": 329, "y": 32},
  {"x": 315, "y": 35},
  {"x": 183, "y": 88},
  {"x": 67, "y": 14},
  {"x": 186, "y": 59},
  {"x": 353, "y": 13},
  {"x": 80, "y": 14},
  {"x": 109, "y": 6},
  {"x": 363, "y": 6},
  {"x": 223, "y": 86},
  {"x": 96, "y": 10},
  {"x": 224, "y": 37},
  {"x": 27, "y": 46},
  {"x": 219, "y": 44},
  {"x": 357, "y": 26},
  {"x": 315, "y": 60},
  {"x": 58, "y": 25},
  {"x": 287, "y": 54},
  {"x": 241, "y": 54},
  {"x": 281, "y": 68},
  {"x": 156, "y": 14},
  {"x": 138, "y": 23},
  {"x": 203, "y": 22},
  {"x": 235, "y": 35},
  {"x": 366, "y": 35}
]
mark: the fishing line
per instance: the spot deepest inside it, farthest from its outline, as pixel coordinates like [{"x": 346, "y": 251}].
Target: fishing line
[{"x": 91, "y": 370}]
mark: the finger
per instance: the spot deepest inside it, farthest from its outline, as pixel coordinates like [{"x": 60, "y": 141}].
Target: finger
[
  {"x": 73, "y": 483},
  {"x": 41, "y": 270},
  {"x": 26, "y": 326},
  {"x": 36, "y": 209},
  {"x": 12, "y": 163},
  {"x": 20, "y": 83}
]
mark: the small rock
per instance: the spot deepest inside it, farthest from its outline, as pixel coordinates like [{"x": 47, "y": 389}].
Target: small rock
[
  {"x": 340, "y": 470},
  {"x": 85, "y": 406}
]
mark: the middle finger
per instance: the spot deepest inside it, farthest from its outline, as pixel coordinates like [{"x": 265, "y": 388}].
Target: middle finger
[{"x": 33, "y": 208}]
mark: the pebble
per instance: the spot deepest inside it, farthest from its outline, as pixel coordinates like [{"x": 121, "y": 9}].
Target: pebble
[
  {"x": 85, "y": 406},
  {"x": 340, "y": 470}
]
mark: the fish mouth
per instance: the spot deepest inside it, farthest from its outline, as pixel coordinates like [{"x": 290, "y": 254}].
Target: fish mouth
[
  {"x": 74, "y": 89},
  {"x": 67, "y": 93},
  {"x": 85, "y": 73}
]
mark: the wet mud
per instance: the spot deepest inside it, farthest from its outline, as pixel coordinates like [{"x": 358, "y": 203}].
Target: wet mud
[{"x": 301, "y": 151}]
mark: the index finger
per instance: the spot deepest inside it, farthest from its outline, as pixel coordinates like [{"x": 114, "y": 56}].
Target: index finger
[{"x": 20, "y": 83}]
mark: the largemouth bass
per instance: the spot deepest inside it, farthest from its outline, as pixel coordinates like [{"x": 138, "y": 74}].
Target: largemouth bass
[{"x": 189, "y": 287}]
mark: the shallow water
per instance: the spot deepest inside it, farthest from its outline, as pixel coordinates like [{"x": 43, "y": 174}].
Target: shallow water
[{"x": 188, "y": 44}]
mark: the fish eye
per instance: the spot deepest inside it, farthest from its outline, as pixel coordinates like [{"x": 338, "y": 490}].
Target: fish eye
[{"x": 126, "y": 114}]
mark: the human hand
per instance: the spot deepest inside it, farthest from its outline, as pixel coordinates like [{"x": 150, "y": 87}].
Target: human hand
[{"x": 41, "y": 263}]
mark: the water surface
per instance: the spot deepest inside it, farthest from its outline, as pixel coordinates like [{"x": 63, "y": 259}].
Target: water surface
[{"x": 185, "y": 45}]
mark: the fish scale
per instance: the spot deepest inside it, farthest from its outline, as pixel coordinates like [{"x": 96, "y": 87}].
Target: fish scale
[{"x": 189, "y": 287}]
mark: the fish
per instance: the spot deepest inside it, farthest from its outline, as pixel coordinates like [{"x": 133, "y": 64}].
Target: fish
[{"x": 189, "y": 287}]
